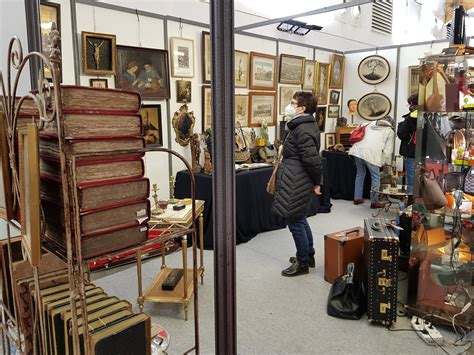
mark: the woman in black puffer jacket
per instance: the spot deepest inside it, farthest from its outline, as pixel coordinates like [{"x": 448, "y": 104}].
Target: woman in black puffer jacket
[{"x": 299, "y": 176}]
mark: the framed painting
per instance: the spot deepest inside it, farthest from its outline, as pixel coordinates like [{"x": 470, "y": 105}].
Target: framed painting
[
  {"x": 374, "y": 106},
  {"x": 241, "y": 69},
  {"x": 98, "y": 53},
  {"x": 374, "y": 69},
  {"x": 6, "y": 194},
  {"x": 50, "y": 19},
  {"x": 334, "y": 97},
  {"x": 336, "y": 80},
  {"x": 322, "y": 83},
  {"x": 182, "y": 57},
  {"x": 183, "y": 91},
  {"x": 330, "y": 139},
  {"x": 206, "y": 107},
  {"x": 144, "y": 70},
  {"x": 262, "y": 106},
  {"x": 286, "y": 94},
  {"x": 309, "y": 74},
  {"x": 206, "y": 57},
  {"x": 30, "y": 204},
  {"x": 262, "y": 71},
  {"x": 413, "y": 79},
  {"x": 291, "y": 69},
  {"x": 151, "y": 125},
  {"x": 321, "y": 117},
  {"x": 334, "y": 111},
  {"x": 242, "y": 110},
  {"x": 99, "y": 83}
]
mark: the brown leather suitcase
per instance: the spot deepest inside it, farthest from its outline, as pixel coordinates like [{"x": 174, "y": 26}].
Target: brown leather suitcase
[{"x": 341, "y": 248}]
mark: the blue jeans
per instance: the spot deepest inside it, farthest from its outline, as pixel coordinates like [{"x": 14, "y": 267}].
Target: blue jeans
[
  {"x": 410, "y": 169},
  {"x": 303, "y": 238},
  {"x": 374, "y": 171}
]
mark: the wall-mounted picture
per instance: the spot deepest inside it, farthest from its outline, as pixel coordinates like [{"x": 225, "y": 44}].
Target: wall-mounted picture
[
  {"x": 50, "y": 20},
  {"x": 262, "y": 71},
  {"x": 413, "y": 79},
  {"x": 241, "y": 69},
  {"x": 334, "y": 97},
  {"x": 334, "y": 111},
  {"x": 286, "y": 94},
  {"x": 98, "y": 53},
  {"x": 321, "y": 117},
  {"x": 151, "y": 122},
  {"x": 99, "y": 83},
  {"x": 291, "y": 69},
  {"x": 309, "y": 74},
  {"x": 337, "y": 71},
  {"x": 262, "y": 107},
  {"x": 374, "y": 69},
  {"x": 242, "y": 110},
  {"x": 183, "y": 91},
  {"x": 6, "y": 195},
  {"x": 206, "y": 108},
  {"x": 145, "y": 70},
  {"x": 206, "y": 57},
  {"x": 322, "y": 83},
  {"x": 182, "y": 57},
  {"x": 330, "y": 139},
  {"x": 374, "y": 106}
]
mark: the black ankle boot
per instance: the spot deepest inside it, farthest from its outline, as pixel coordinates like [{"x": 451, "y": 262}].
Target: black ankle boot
[
  {"x": 296, "y": 268},
  {"x": 311, "y": 262}
]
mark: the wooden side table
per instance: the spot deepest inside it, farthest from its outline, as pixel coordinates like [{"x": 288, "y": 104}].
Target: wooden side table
[{"x": 168, "y": 224}]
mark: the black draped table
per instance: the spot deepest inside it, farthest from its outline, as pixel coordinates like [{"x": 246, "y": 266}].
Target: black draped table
[
  {"x": 253, "y": 203},
  {"x": 341, "y": 171}
]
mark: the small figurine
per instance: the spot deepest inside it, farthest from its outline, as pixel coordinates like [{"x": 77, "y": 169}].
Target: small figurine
[
  {"x": 172, "y": 200},
  {"x": 157, "y": 210},
  {"x": 352, "y": 106},
  {"x": 195, "y": 153},
  {"x": 264, "y": 131}
]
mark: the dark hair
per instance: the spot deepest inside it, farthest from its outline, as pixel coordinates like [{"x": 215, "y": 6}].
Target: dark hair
[
  {"x": 132, "y": 64},
  {"x": 349, "y": 102},
  {"x": 413, "y": 99},
  {"x": 306, "y": 99}
]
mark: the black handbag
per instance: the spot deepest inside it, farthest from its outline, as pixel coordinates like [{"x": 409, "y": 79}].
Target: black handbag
[{"x": 347, "y": 297}]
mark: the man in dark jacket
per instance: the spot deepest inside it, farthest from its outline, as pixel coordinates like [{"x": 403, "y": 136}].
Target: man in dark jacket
[
  {"x": 406, "y": 131},
  {"x": 299, "y": 176}
]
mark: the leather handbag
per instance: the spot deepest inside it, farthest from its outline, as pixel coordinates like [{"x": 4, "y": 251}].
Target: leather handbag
[
  {"x": 347, "y": 297},
  {"x": 357, "y": 134},
  {"x": 271, "y": 185},
  {"x": 431, "y": 192}
]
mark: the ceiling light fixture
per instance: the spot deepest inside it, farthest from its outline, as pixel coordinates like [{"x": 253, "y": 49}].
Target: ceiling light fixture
[{"x": 297, "y": 27}]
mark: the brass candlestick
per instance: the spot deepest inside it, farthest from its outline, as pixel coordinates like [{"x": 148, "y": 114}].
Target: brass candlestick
[
  {"x": 157, "y": 210},
  {"x": 172, "y": 200}
]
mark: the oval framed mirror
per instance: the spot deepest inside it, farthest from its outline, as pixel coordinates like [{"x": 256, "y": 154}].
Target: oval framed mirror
[{"x": 183, "y": 124}]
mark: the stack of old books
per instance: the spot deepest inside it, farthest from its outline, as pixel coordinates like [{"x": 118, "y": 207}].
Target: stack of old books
[{"x": 112, "y": 193}]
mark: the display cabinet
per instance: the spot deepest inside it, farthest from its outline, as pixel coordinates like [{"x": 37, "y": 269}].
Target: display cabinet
[{"x": 442, "y": 243}]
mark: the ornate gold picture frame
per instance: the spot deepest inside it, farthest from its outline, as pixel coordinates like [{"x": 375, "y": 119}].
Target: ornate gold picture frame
[
  {"x": 6, "y": 194},
  {"x": 183, "y": 124},
  {"x": 98, "y": 53}
]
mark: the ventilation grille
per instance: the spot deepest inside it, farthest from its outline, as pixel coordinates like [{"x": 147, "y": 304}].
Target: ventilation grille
[{"x": 382, "y": 12}]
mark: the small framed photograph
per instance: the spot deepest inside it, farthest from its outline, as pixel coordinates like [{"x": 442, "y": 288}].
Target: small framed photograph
[
  {"x": 6, "y": 194},
  {"x": 330, "y": 139},
  {"x": 50, "y": 19},
  {"x": 206, "y": 57},
  {"x": 242, "y": 110},
  {"x": 151, "y": 125},
  {"x": 30, "y": 204},
  {"x": 183, "y": 91},
  {"x": 413, "y": 79},
  {"x": 374, "y": 69},
  {"x": 206, "y": 107},
  {"x": 309, "y": 74},
  {"x": 241, "y": 69},
  {"x": 291, "y": 69},
  {"x": 262, "y": 71},
  {"x": 334, "y": 97},
  {"x": 321, "y": 117},
  {"x": 182, "y": 57},
  {"x": 333, "y": 111},
  {"x": 286, "y": 95},
  {"x": 98, "y": 53},
  {"x": 99, "y": 83},
  {"x": 262, "y": 106},
  {"x": 337, "y": 71}
]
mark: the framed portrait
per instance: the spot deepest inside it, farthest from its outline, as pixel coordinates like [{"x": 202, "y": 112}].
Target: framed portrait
[
  {"x": 286, "y": 94},
  {"x": 262, "y": 106},
  {"x": 336, "y": 80},
  {"x": 241, "y": 69},
  {"x": 50, "y": 18},
  {"x": 183, "y": 91},
  {"x": 6, "y": 193},
  {"x": 334, "y": 111},
  {"x": 144, "y": 70},
  {"x": 206, "y": 57},
  {"x": 321, "y": 117},
  {"x": 330, "y": 139},
  {"x": 30, "y": 204},
  {"x": 262, "y": 71},
  {"x": 151, "y": 125},
  {"x": 98, "y": 53},
  {"x": 99, "y": 83},
  {"x": 242, "y": 110},
  {"x": 374, "y": 69},
  {"x": 374, "y": 106},
  {"x": 182, "y": 57},
  {"x": 206, "y": 107},
  {"x": 334, "y": 97},
  {"x": 309, "y": 74},
  {"x": 413, "y": 79},
  {"x": 291, "y": 69},
  {"x": 322, "y": 83}
]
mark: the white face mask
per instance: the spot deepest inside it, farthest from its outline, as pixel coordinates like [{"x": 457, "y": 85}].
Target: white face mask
[{"x": 290, "y": 111}]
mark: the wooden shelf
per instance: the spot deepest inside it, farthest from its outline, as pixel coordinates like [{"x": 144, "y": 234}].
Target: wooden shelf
[{"x": 156, "y": 294}]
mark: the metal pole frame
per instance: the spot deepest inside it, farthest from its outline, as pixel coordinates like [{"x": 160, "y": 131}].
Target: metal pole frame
[{"x": 32, "y": 11}]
